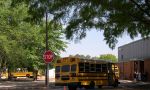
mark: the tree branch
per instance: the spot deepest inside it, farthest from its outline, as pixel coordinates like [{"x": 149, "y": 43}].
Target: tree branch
[
  {"x": 140, "y": 8},
  {"x": 147, "y": 3}
]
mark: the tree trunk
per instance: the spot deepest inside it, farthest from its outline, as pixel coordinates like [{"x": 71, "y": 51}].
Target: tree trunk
[{"x": 9, "y": 74}]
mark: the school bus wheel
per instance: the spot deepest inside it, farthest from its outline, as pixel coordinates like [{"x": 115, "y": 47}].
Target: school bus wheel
[
  {"x": 92, "y": 84},
  {"x": 28, "y": 75},
  {"x": 80, "y": 86},
  {"x": 99, "y": 86},
  {"x": 115, "y": 84},
  {"x": 86, "y": 86}
]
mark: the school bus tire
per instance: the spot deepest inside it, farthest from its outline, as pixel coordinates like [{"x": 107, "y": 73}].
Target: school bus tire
[
  {"x": 92, "y": 84},
  {"x": 80, "y": 86},
  {"x": 115, "y": 84},
  {"x": 86, "y": 86},
  {"x": 31, "y": 77},
  {"x": 99, "y": 86}
]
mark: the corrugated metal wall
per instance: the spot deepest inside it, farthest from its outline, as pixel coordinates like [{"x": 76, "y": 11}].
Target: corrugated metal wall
[{"x": 138, "y": 50}]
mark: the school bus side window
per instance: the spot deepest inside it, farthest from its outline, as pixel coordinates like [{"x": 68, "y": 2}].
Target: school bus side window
[
  {"x": 65, "y": 68},
  {"x": 92, "y": 67},
  {"x": 57, "y": 69},
  {"x": 81, "y": 67},
  {"x": 87, "y": 65},
  {"x": 73, "y": 67},
  {"x": 104, "y": 68},
  {"x": 98, "y": 67}
]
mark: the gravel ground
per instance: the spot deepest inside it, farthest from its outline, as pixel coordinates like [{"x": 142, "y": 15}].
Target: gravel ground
[{"x": 29, "y": 84}]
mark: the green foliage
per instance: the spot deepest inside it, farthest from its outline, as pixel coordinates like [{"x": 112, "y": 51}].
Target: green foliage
[
  {"x": 22, "y": 44},
  {"x": 109, "y": 57},
  {"x": 114, "y": 17},
  {"x": 80, "y": 56},
  {"x": 83, "y": 56}
]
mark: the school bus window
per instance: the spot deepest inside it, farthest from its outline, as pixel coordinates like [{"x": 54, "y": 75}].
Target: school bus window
[
  {"x": 73, "y": 59},
  {"x": 87, "y": 67},
  {"x": 92, "y": 68},
  {"x": 65, "y": 68},
  {"x": 98, "y": 67},
  {"x": 57, "y": 69},
  {"x": 81, "y": 67},
  {"x": 58, "y": 61},
  {"x": 104, "y": 68},
  {"x": 73, "y": 67},
  {"x": 63, "y": 60},
  {"x": 81, "y": 64}
]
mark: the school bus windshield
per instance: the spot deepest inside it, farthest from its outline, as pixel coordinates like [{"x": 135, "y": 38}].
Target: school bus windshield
[{"x": 65, "y": 68}]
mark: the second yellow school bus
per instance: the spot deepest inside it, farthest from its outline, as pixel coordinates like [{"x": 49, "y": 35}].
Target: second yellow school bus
[{"x": 88, "y": 73}]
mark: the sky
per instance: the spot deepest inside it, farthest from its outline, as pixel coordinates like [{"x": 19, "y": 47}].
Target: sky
[{"x": 94, "y": 45}]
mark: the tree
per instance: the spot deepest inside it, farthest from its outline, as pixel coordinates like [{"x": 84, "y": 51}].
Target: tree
[
  {"x": 22, "y": 44},
  {"x": 81, "y": 56},
  {"x": 113, "y": 17},
  {"x": 109, "y": 57}
]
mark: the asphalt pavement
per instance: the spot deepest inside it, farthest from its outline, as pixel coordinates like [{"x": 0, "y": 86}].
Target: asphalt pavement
[{"x": 29, "y": 84}]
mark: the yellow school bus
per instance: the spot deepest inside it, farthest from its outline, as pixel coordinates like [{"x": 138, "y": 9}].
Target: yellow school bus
[
  {"x": 21, "y": 72},
  {"x": 88, "y": 73}
]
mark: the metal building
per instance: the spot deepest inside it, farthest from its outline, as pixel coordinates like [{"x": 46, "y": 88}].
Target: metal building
[
  {"x": 138, "y": 50},
  {"x": 134, "y": 58}
]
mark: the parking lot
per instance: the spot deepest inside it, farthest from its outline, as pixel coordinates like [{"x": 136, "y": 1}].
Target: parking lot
[{"x": 29, "y": 84}]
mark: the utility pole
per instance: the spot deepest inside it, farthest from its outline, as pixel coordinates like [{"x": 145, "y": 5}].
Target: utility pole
[{"x": 47, "y": 64}]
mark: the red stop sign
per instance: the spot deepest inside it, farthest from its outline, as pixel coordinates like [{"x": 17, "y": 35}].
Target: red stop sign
[{"x": 48, "y": 56}]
